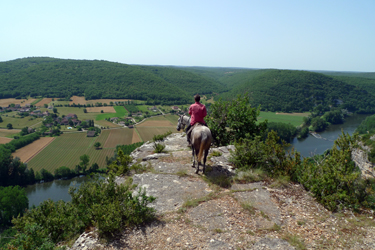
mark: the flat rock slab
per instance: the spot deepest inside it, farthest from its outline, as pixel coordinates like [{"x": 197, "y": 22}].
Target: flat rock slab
[
  {"x": 259, "y": 197},
  {"x": 170, "y": 191},
  {"x": 173, "y": 168},
  {"x": 209, "y": 215}
]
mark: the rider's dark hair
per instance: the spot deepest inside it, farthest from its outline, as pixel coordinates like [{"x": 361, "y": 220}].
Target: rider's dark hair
[{"x": 197, "y": 97}]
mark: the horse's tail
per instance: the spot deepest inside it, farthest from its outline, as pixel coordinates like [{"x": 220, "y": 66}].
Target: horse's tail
[{"x": 205, "y": 143}]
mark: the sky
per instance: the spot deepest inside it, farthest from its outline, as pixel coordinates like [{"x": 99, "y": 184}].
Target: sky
[{"x": 334, "y": 35}]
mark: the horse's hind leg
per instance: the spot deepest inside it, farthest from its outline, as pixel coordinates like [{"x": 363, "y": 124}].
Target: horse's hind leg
[
  {"x": 204, "y": 160},
  {"x": 197, "y": 168}
]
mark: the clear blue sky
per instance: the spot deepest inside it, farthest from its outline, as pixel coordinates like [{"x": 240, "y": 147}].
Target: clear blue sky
[{"x": 302, "y": 34}]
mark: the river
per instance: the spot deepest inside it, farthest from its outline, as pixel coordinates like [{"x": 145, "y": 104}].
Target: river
[
  {"x": 55, "y": 190},
  {"x": 58, "y": 189},
  {"x": 313, "y": 146}
]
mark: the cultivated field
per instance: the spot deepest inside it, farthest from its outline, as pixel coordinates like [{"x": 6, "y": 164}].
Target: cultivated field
[
  {"x": 296, "y": 119},
  {"x": 8, "y": 132},
  {"x": 44, "y": 101},
  {"x": 123, "y": 136},
  {"x": 19, "y": 122},
  {"x": 4, "y": 140},
  {"x": 108, "y": 109},
  {"x": 120, "y": 112},
  {"x": 157, "y": 125},
  {"x": 81, "y": 100},
  {"x": 28, "y": 152},
  {"x": 66, "y": 149},
  {"x": 136, "y": 137},
  {"x": 8, "y": 101}
]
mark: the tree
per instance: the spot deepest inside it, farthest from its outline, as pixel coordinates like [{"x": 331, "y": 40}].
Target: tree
[
  {"x": 13, "y": 202},
  {"x": 231, "y": 120},
  {"x": 97, "y": 145},
  {"x": 46, "y": 105},
  {"x": 1, "y": 119},
  {"x": 84, "y": 162},
  {"x": 84, "y": 110},
  {"x": 55, "y": 110},
  {"x": 9, "y": 126}
]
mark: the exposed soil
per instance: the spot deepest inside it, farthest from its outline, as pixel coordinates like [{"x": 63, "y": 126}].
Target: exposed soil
[
  {"x": 22, "y": 102},
  {"x": 28, "y": 152},
  {"x": 44, "y": 101},
  {"x": 4, "y": 140}
]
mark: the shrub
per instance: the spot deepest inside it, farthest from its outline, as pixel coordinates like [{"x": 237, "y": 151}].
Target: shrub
[
  {"x": 159, "y": 147},
  {"x": 101, "y": 203},
  {"x": 268, "y": 155},
  {"x": 334, "y": 179},
  {"x": 230, "y": 121}
]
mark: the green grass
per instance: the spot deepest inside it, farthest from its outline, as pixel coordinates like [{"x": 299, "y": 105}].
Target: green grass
[
  {"x": 66, "y": 149},
  {"x": 36, "y": 101},
  {"x": 120, "y": 112},
  {"x": 19, "y": 122},
  {"x": 144, "y": 108},
  {"x": 295, "y": 120}
]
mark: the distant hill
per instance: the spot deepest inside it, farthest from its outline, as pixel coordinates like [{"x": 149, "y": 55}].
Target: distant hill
[
  {"x": 51, "y": 77},
  {"x": 298, "y": 91}
]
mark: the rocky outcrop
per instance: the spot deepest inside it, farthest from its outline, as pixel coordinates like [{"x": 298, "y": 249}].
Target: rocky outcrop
[
  {"x": 360, "y": 157},
  {"x": 193, "y": 213}
]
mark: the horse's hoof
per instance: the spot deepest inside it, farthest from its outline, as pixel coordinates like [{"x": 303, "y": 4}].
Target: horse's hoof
[
  {"x": 193, "y": 166},
  {"x": 196, "y": 172}
]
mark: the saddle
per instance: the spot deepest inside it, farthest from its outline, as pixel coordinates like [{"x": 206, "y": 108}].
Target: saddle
[{"x": 192, "y": 127}]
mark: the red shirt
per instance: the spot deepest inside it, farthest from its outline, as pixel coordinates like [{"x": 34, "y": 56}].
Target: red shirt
[{"x": 197, "y": 111}]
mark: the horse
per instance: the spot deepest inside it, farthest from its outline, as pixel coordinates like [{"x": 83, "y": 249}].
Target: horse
[{"x": 201, "y": 139}]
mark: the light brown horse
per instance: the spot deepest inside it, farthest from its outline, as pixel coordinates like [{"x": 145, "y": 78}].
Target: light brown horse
[{"x": 201, "y": 139}]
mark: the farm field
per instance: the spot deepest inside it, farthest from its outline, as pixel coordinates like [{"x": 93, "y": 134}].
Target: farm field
[
  {"x": 81, "y": 100},
  {"x": 8, "y": 132},
  {"x": 157, "y": 125},
  {"x": 22, "y": 102},
  {"x": 295, "y": 119},
  {"x": 44, "y": 101},
  {"x": 19, "y": 123},
  {"x": 4, "y": 140},
  {"x": 145, "y": 108},
  {"x": 120, "y": 112},
  {"x": 123, "y": 136},
  {"x": 29, "y": 151},
  {"x": 108, "y": 109},
  {"x": 66, "y": 149}
]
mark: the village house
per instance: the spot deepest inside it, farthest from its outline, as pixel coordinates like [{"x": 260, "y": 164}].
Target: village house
[
  {"x": 71, "y": 116},
  {"x": 113, "y": 119},
  {"x": 175, "y": 108}
]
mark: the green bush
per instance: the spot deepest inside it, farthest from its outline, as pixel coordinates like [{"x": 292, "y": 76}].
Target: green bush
[
  {"x": 268, "y": 155},
  {"x": 161, "y": 137},
  {"x": 334, "y": 179},
  {"x": 158, "y": 147},
  {"x": 101, "y": 203},
  {"x": 121, "y": 164},
  {"x": 230, "y": 121}
]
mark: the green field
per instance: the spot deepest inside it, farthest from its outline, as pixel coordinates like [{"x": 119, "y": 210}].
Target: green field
[
  {"x": 144, "y": 108},
  {"x": 295, "y": 119},
  {"x": 120, "y": 112},
  {"x": 18, "y": 122},
  {"x": 66, "y": 149}
]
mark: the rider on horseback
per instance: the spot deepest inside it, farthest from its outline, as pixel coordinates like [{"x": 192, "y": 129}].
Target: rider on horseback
[{"x": 197, "y": 112}]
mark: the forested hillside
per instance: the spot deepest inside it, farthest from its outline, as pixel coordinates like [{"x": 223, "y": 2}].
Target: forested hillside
[
  {"x": 287, "y": 90},
  {"x": 50, "y": 77}
]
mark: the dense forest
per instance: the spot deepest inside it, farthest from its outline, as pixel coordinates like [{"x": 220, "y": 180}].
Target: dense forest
[
  {"x": 49, "y": 77},
  {"x": 300, "y": 91}
]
